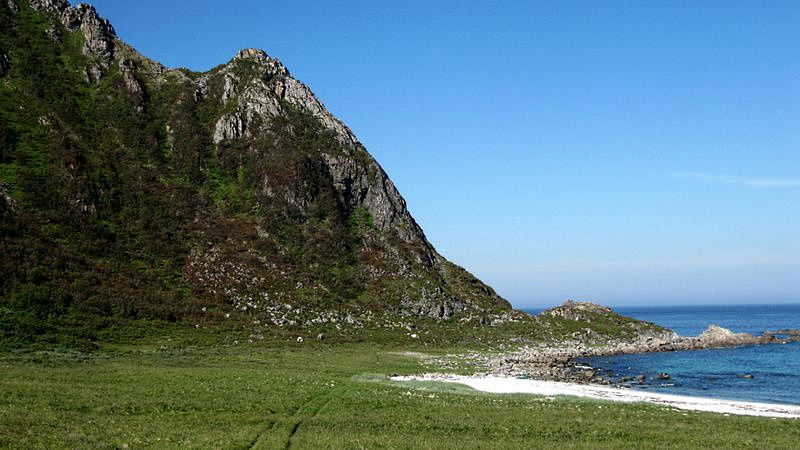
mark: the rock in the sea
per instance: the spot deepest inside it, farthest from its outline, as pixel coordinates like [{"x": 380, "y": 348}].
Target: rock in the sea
[
  {"x": 641, "y": 379},
  {"x": 717, "y": 336}
]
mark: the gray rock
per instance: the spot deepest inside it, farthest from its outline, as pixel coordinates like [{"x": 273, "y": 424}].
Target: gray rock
[
  {"x": 99, "y": 36},
  {"x": 128, "y": 69},
  {"x": 49, "y": 5},
  {"x": 5, "y": 64},
  {"x": 7, "y": 204},
  {"x": 715, "y": 335}
]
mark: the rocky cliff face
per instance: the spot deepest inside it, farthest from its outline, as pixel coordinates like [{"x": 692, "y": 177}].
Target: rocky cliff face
[
  {"x": 257, "y": 89},
  {"x": 173, "y": 194}
]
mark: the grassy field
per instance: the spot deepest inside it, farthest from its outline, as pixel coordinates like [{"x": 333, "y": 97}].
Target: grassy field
[{"x": 317, "y": 396}]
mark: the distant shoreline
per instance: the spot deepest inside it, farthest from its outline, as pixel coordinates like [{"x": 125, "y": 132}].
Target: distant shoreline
[
  {"x": 623, "y": 309},
  {"x": 511, "y": 385}
]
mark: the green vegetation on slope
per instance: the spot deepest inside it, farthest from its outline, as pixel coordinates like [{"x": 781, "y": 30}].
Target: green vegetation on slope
[{"x": 125, "y": 210}]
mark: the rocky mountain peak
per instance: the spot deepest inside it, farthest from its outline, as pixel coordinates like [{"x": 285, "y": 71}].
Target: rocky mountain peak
[
  {"x": 252, "y": 54},
  {"x": 99, "y": 35},
  {"x": 257, "y": 95}
]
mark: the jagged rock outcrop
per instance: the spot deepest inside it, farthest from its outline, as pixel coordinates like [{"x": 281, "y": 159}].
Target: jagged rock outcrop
[
  {"x": 262, "y": 90},
  {"x": 13, "y": 8},
  {"x": 99, "y": 36}
]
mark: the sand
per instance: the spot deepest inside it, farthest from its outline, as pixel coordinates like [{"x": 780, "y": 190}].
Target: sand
[{"x": 508, "y": 385}]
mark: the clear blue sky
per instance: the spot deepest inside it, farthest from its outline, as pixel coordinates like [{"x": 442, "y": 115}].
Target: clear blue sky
[{"x": 624, "y": 152}]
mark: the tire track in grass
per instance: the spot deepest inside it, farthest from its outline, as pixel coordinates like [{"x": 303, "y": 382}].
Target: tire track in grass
[
  {"x": 261, "y": 433},
  {"x": 267, "y": 437},
  {"x": 313, "y": 408}
]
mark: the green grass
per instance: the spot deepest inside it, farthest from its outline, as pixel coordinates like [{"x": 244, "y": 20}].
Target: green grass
[{"x": 318, "y": 396}]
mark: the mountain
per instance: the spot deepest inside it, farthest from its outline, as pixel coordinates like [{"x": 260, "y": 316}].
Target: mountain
[{"x": 129, "y": 191}]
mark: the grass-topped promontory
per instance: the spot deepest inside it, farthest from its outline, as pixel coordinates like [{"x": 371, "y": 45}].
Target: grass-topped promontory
[{"x": 317, "y": 396}]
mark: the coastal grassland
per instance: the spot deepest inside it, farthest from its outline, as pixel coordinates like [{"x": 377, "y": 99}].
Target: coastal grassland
[{"x": 317, "y": 395}]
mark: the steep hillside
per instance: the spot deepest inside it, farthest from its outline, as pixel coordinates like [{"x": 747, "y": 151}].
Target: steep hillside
[{"x": 134, "y": 191}]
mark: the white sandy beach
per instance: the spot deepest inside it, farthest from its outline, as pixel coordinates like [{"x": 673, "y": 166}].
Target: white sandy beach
[{"x": 507, "y": 385}]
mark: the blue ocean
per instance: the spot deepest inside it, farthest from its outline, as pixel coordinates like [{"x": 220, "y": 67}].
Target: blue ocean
[{"x": 719, "y": 373}]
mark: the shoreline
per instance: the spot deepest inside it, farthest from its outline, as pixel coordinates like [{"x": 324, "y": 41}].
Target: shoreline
[
  {"x": 557, "y": 369},
  {"x": 510, "y": 385},
  {"x": 559, "y": 362}
]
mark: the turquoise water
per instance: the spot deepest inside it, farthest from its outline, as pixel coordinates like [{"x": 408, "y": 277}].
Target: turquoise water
[{"x": 717, "y": 372}]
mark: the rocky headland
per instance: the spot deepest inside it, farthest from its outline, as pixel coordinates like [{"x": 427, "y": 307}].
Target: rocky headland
[{"x": 558, "y": 361}]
